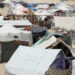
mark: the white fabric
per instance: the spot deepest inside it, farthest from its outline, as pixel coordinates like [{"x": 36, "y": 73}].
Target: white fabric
[
  {"x": 19, "y": 9},
  {"x": 1, "y": 18},
  {"x": 7, "y": 1},
  {"x": 30, "y": 61},
  {"x": 73, "y": 67},
  {"x": 16, "y": 22},
  {"x": 64, "y": 7},
  {"x": 65, "y": 22},
  {"x": 42, "y": 6},
  {"x": 7, "y": 33},
  {"x": 42, "y": 12},
  {"x": 47, "y": 43}
]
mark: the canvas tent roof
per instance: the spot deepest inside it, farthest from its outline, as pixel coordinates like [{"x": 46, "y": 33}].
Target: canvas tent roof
[
  {"x": 62, "y": 45},
  {"x": 64, "y": 7},
  {"x": 47, "y": 43},
  {"x": 65, "y": 22},
  {"x": 8, "y": 33},
  {"x": 42, "y": 6},
  {"x": 73, "y": 67},
  {"x": 16, "y": 22},
  {"x": 19, "y": 9},
  {"x": 30, "y": 61},
  {"x": 42, "y": 12}
]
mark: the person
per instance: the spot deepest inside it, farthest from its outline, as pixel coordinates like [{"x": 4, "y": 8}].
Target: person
[{"x": 66, "y": 37}]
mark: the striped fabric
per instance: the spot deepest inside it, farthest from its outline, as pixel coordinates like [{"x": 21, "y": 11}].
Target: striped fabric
[{"x": 52, "y": 71}]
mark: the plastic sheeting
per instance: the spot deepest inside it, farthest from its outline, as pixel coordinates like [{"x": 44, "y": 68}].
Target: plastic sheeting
[
  {"x": 10, "y": 33},
  {"x": 47, "y": 43},
  {"x": 16, "y": 22},
  {"x": 30, "y": 61},
  {"x": 65, "y": 22},
  {"x": 73, "y": 67}
]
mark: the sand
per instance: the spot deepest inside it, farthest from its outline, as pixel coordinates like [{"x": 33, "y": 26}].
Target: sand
[
  {"x": 2, "y": 68},
  {"x": 4, "y": 11}
]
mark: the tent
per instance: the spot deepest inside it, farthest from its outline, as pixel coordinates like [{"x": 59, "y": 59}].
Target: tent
[
  {"x": 64, "y": 7},
  {"x": 10, "y": 39},
  {"x": 16, "y": 22},
  {"x": 42, "y": 13},
  {"x": 10, "y": 33},
  {"x": 47, "y": 43},
  {"x": 50, "y": 41},
  {"x": 18, "y": 9},
  {"x": 7, "y": 1},
  {"x": 42, "y": 6},
  {"x": 38, "y": 32},
  {"x": 73, "y": 67},
  {"x": 62, "y": 45},
  {"x": 67, "y": 23},
  {"x": 30, "y": 61}
]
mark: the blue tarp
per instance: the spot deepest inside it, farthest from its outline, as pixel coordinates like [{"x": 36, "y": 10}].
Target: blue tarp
[{"x": 21, "y": 2}]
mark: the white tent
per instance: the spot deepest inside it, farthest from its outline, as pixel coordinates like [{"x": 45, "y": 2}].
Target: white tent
[
  {"x": 16, "y": 22},
  {"x": 30, "y": 61},
  {"x": 7, "y": 1},
  {"x": 1, "y": 18},
  {"x": 19, "y": 9},
  {"x": 47, "y": 43},
  {"x": 10, "y": 33},
  {"x": 63, "y": 7},
  {"x": 42, "y": 6},
  {"x": 73, "y": 67},
  {"x": 65, "y": 22},
  {"x": 52, "y": 11},
  {"x": 42, "y": 13}
]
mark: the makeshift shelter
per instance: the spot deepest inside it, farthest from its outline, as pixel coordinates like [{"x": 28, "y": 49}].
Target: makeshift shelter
[
  {"x": 48, "y": 36},
  {"x": 17, "y": 23},
  {"x": 62, "y": 45},
  {"x": 42, "y": 6},
  {"x": 32, "y": 61},
  {"x": 17, "y": 9},
  {"x": 73, "y": 67},
  {"x": 64, "y": 7},
  {"x": 42, "y": 13},
  {"x": 8, "y": 33},
  {"x": 67, "y": 23},
  {"x": 50, "y": 41},
  {"x": 38, "y": 33},
  {"x": 47, "y": 42},
  {"x": 10, "y": 39}
]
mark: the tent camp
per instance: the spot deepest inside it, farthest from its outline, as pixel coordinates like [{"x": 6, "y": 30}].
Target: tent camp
[
  {"x": 67, "y": 23},
  {"x": 30, "y": 61}
]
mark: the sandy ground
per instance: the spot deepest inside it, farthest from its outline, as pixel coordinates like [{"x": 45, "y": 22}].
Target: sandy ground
[
  {"x": 2, "y": 68},
  {"x": 4, "y": 11}
]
